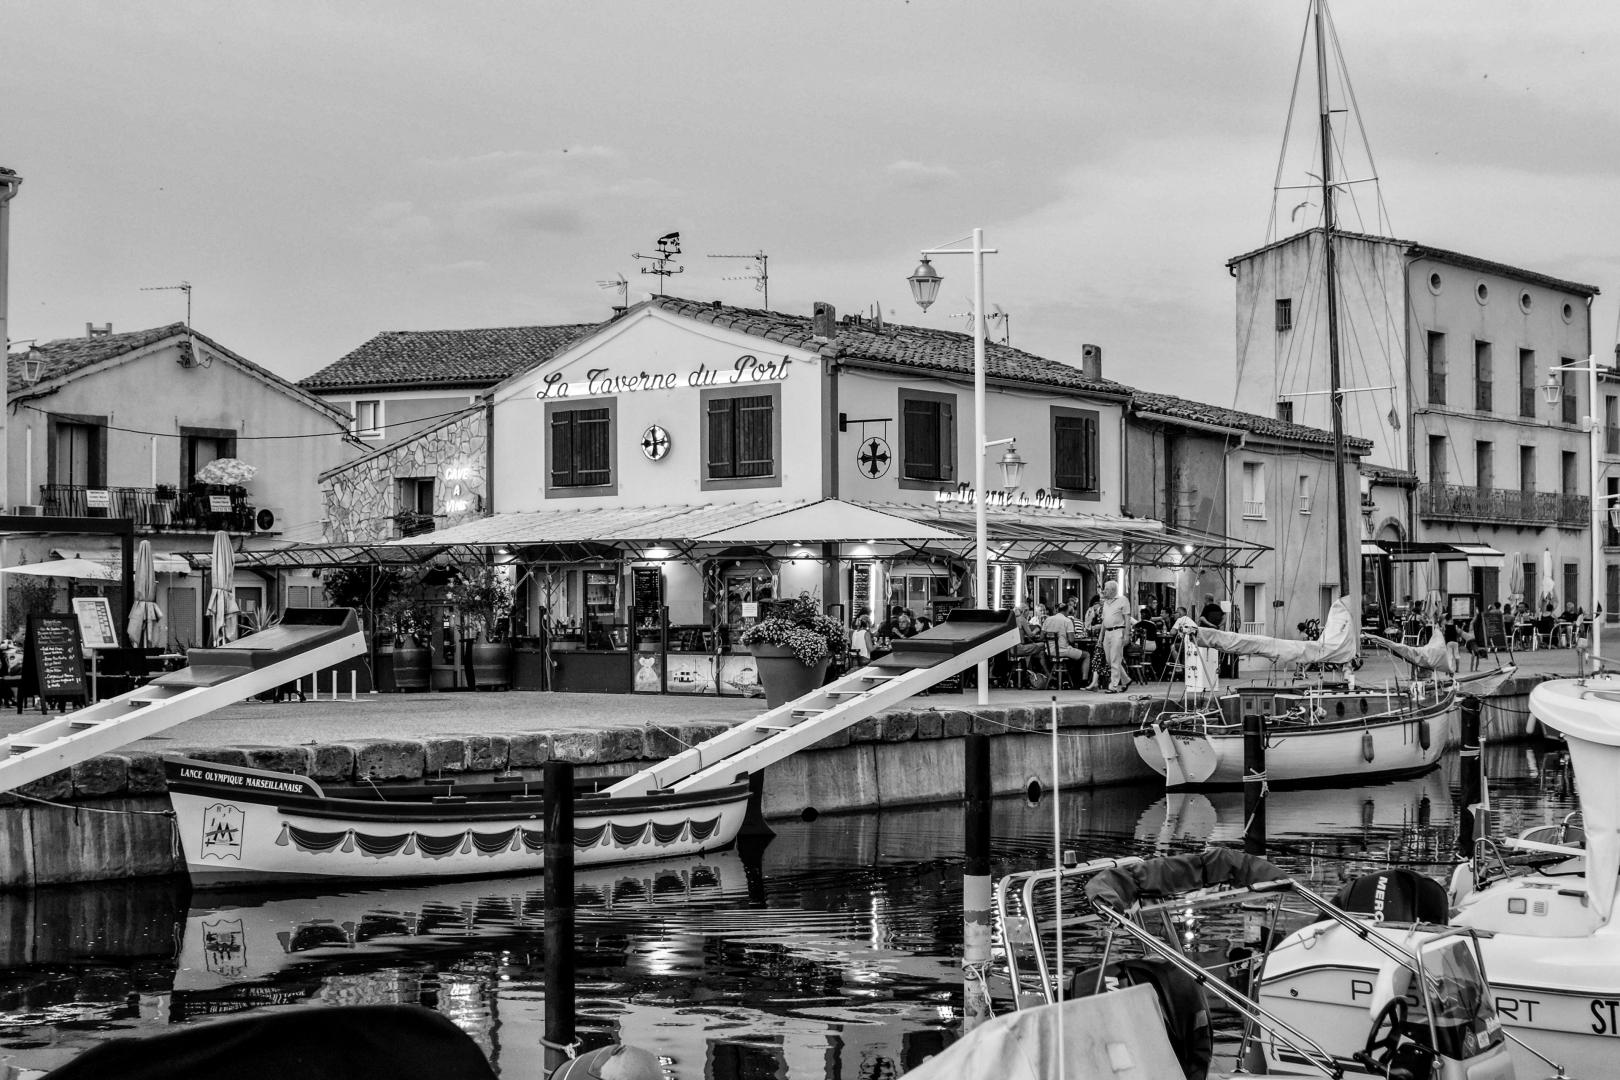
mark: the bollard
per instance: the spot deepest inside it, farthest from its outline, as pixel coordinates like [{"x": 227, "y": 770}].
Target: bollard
[
  {"x": 1471, "y": 762},
  {"x": 354, "y": 682},
  {"x": 557, "y": 808},
  {"x": 334, "y": 686},
  {"x": 976, "y": 796},
  {"x": 1254, "y": 784}
]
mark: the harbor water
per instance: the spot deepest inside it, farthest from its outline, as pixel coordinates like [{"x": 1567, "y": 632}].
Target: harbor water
[{"x": 832, "y": 952}]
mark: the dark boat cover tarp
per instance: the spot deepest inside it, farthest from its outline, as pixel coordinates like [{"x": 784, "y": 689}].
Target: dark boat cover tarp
[
  {"x": 1172, "y": 875},
  {"x": 359, "y": 1042}
]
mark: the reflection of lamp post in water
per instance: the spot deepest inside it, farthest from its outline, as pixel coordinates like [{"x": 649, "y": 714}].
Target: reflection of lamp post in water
[{"x": 1552, "y": 391}]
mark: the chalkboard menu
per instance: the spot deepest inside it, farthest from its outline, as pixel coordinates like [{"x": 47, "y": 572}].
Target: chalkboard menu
[
  {"x": 1495, "y": 632},
  {"x": 53, "y": 660},
  {"x": 647, "y": 597},
  {"x": 860, "y": 589}
]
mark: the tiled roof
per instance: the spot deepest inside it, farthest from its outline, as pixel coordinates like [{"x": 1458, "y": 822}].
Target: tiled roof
[
  {"x": 1170, "y": 405},
  {"x": 68, "y": 355},
  {"x": 404, "y": 359},
  {"x": 896, "y": 345},
  {"x": 1415, "y": 250}
]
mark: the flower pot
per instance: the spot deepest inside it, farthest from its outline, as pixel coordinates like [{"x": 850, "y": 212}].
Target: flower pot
[
  {"x": 412, "y": 664},
  {"x": 783, "y": 676},
  {"x": 491, "y": 664}
]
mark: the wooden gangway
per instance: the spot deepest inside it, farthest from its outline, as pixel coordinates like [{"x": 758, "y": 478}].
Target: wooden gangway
[
  {"x": 968, "y": 636},
  {"x": 304, "y": 642}
]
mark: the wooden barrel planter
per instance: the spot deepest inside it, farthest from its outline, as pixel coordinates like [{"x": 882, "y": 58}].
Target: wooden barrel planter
[
  {"x": 412, "y": 665},
  {"x": 491, "y": 664}
]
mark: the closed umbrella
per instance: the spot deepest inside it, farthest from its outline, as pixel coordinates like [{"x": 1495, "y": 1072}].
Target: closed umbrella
[
  {"x": 146, "y": 627},
  {"x": 1549, "y": 584},
  {"x": 222, "y": 596},
  {"x": 1515, "y": 575}
]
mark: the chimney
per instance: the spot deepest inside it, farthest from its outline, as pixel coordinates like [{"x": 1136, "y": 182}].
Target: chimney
[
  {"x": 1091, "y": 361},
  {"x": 92, "y": 330},
  {"x": 824, "y": 320}
]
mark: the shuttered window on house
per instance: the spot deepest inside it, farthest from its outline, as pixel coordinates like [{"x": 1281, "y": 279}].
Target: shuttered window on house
[
  {"x": 928, "y": 428},
  {"x": 1074, "y": 451},
  {"x": 581, "y": 448},
  {"x": 741, "y": 437}
]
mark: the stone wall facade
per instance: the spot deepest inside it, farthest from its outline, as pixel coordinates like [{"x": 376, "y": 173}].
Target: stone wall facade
[{"x": 363, "y": 497}]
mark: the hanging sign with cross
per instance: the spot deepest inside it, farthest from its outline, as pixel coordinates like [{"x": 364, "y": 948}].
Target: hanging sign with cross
[
  {"x": 655, "y": 443},
  {"x": 873, "y": 457}
]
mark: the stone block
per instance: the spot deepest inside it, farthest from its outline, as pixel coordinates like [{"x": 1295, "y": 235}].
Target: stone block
[
  {"x": 1112, "y": 713},
  {"x": 56, "y": 787},
  {"x": 955, "y": 723},
  {"x": 143, "y": 772},
  {"x": 444, "y": 753},
  {"x": 224, "y": 755},
  {"x": 579, "y": 747},
  {"x": 487, "y": 753},
  {"x": 658, "y": 743},
  {"x": 868, "y": 730},
  {"x": 332, "y": 761},
  {"x": 103, "y": 775},
  {"x": 389, "y": 759},
  {"x": 621, "y": 744},
  {"x": 1077, "y": 714},
  {"x": 930, "y": 725},
  {"x": 897, "y": 727},
  {"x": 835, "y": 741},
  {"x": 287, "y": 759},
  {"x": 528, "y": 749}
]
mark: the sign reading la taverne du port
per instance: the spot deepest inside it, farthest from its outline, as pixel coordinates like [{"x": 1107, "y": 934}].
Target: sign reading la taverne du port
[{"x": 746, "y": 369}]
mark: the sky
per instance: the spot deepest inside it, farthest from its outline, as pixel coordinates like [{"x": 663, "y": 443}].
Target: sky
[{"x": 324, "y": 172}]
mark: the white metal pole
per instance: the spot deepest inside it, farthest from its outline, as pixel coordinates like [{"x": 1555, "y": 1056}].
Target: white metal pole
[
  {"x": 1599, "y": 508},
  {"x": 981, "y": 545}
]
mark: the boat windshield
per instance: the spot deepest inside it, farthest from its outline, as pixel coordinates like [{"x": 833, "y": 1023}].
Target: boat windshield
[{"x": 1456, "y": 1000}]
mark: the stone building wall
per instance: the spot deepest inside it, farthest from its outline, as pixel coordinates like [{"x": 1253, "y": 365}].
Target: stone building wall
[{"x": 362, "y": 498}]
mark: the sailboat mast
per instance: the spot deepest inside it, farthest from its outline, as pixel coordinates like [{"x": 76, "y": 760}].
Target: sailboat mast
[{"x": 1336, "y": 387}]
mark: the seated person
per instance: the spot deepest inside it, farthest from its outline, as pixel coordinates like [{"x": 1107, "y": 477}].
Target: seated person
[
  {"x": 1061, "y": 627},
  {"x": 1030, "y": 646}
]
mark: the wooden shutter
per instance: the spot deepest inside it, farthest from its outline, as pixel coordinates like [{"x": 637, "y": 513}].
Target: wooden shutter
[
  {"x": 1074, "y": 453},
  {"x": 947, "y": 440},
  {"x": 593, "y": 461},
  {"x": 722, "y": 445},
  {"x": 754, "y": 450},
  {"x": 921, "y": 422},
  {"x": 562, "y": 449}
]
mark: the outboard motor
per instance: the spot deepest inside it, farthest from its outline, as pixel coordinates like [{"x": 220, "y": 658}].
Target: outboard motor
[
  {"x": 1396, "y": 895},
  {"x": 1186, "y": 1016}
]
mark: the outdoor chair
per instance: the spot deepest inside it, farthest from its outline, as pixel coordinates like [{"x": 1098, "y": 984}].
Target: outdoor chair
[{"x": 1057, "y": 664}]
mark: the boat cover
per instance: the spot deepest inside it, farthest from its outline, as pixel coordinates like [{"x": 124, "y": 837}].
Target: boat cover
[
  {"x": 1337, "y": 645},
  {"x": 1432, "y": 656},
  {"x": 1172, "y": 875},
  {"x": 1186, "y": 1013},
  {"x": 1587, "y": 711},
  {"x": 351, "y": 1042}
]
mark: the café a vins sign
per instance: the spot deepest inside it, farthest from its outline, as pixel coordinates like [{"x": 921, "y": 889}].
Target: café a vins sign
[
  {"x": 1006, "y": 500},
  {"x": 746, "y": 370}
]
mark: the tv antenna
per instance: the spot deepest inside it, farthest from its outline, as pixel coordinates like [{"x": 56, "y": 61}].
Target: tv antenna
[
  {"x": 618, "y": 282},
  {"x": 760, "y": 274},
  {"x": 184, "y": 286},
  {"x": 998, "y": 314},
  {"x": 669, "y": 246}
]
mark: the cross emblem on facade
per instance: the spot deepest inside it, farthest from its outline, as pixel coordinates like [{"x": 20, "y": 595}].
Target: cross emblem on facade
[
  {"x": 655, "y": 443},
  {"x": 873, "y": 458}
]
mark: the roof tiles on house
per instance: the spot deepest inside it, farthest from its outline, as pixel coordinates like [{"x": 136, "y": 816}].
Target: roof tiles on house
[
  {"x": 1199, "y": 412},
  {"x": 472, "y": 359},
  {"x": 67, "y": 355}
]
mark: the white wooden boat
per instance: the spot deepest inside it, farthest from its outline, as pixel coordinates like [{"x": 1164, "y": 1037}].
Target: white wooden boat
[{"x": 240, "y": 825}]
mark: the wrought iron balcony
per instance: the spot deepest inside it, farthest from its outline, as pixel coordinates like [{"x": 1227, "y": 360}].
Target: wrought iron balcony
[
  {"x": 199, "y": 508},
  {"x": 1502, "y": 506}
]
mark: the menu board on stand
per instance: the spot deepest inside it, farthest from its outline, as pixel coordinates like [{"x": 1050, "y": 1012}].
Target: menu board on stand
[
  {"x": 860, "y": 589},
  {"x": 53, "y": 661}
]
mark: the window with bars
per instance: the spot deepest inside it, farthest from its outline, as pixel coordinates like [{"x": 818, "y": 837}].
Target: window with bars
[
  {"x": 1074, "y": 452},
  {"x": 581, "y": 449},
  {"x": 742, "y": 438},
  {"x": 1285, "y": 314},
  {"x": 927, "y": 438}
]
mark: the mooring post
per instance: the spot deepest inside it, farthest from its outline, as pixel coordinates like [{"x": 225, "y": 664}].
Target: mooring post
[
  {"x": 1472, "y": 764},
  {"x": 976, "y": 797},
  {"x": 557, "y": 808},
  {"x": 1254, "y": 784}
]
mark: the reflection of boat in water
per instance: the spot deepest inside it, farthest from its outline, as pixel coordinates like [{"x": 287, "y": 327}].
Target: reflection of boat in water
[
  {"x": 1185, "y": 817},
  {"x": 226, "y": 942}
]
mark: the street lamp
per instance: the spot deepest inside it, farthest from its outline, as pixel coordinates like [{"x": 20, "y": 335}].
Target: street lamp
[
  {"x": 1552, "y": 391},
  {"x": 924, "y": 288}
]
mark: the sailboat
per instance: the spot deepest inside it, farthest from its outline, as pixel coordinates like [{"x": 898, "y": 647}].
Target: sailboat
[{"x": 1326, "y": 732}]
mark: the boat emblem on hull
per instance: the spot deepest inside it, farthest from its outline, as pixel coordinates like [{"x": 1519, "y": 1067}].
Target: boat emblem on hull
[{"x": 222, "y": 832}]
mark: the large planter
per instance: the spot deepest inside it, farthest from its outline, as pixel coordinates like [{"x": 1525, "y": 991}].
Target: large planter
[
  {"x": 491, "y": 663},
  {"x": 413, "y": 665},
  {"x": 783, "y": 676}
]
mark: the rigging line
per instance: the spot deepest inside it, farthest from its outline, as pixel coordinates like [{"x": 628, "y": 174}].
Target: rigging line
[
  {"x": 1355, "y": 107},
  {"x": 1288, "y": 124}
]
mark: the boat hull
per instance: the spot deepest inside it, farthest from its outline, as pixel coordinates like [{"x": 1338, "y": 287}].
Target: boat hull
[
  {"x": 247, "y": 826},
  {"x": 1351, "y": 750}
]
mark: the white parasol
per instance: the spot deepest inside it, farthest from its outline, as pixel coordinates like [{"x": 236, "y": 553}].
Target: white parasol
[
  {"x": 226, "y": 470},
  {"x": 222, "y": 607},
  {"x": 1549, "y": 584},
  {"x": 83, "y": 569},
  {"x": 146, "y": 625}
]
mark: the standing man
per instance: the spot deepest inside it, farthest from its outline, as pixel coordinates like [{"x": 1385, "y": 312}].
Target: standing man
[{"x": 1116, "y": 619}]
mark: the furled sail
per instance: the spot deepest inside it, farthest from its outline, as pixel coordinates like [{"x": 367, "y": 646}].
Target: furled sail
[
  {"x": 1337, "y": 645},
  {"x": 1433, "y": 656}
]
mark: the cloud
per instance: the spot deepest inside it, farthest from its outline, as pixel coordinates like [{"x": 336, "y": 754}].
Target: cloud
[{"x": 918, "y": 175}]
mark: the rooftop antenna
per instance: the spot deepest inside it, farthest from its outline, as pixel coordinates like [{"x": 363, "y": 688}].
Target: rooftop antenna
[
  {"x": 618, "y": 282},
  {"x": 760, "y": 275},
  {"x": 184, "y": 286},
  {"x": 998, "y": 314},
  {"x": 669, "y": 246}
]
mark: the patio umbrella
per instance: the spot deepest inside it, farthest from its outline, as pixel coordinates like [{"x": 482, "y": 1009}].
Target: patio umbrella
[
  {"x": 222, "y": 596},
  {"x": 145, "y": 617},
  {"x": 1549, "y": 584},
  {"x": 226, "y": 470},
  {"x": 67, "y": 568},
  {"x": 1515, "y": 574}
]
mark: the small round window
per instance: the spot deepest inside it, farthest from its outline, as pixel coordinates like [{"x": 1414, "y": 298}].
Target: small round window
[
  {"x": 1482, "y": 292},
  {"x": 1525, "y": 302},
  {"x": 1434, "y": 283},
  {"x": 1569, "y": 312}
]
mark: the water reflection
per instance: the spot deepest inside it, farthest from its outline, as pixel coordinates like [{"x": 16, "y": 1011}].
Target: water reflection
[{"x": 833, "y": 953}]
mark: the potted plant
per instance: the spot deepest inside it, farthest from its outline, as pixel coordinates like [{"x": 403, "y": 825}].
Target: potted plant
[
  {"x": 410, "y": 622},
  {"x": 792, "y": 647},
  {"x": 483, "y": 596}
]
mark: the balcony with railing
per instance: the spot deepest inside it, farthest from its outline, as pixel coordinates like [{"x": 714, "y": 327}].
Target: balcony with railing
[
  {"x": 1502, "y": 506},
  {"x": 1254, "y": 508},
  {"x": 200, "y": 508}
]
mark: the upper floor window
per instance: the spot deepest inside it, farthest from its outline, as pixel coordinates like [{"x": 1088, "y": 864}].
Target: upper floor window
[
  {"x": 1285, "y": 314},
  {"x": 1571, "y": 402},
  {"x": 1437, "y": 368},
  {"x": 368, "y": 419},
  {"x": 581, "y": 448},
  {"x": 1527, "y": 383},
  {"x": 1285, "y": 411},
  {"x": 199, "y": 446},
  {"x": 742, "y": 438},
  {"x": 1075, "y": 451},
  {"x": 1482, "y": 376},
  {"x": 78, "y": 452},
  {"x": 927, "y": 438},
  {"x": 1254, "y": 489}
]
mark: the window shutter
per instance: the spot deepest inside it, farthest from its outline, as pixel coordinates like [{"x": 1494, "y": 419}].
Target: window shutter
[
  {"x": 754, "y": 417},
  {"x": 721, "y": 449},
  {"x": 592, "y": 450},
  {"x": 562, "y": 449},
  {"x": 947, "y": 440},
  {"x": 1074, "y": 453},
  {"x": 922, "y": 437},
  {"x": 1089, "y": 472}
]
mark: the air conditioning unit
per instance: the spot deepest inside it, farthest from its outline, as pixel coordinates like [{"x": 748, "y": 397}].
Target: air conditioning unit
[
  {"x": 28, "y": 510},
  {"x": 269, "y": 519}
]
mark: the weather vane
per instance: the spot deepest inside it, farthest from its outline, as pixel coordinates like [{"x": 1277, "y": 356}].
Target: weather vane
[{"x": 669, "y": 246}]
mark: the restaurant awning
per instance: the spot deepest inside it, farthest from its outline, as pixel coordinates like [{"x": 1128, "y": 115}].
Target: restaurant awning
[
  {"x": 1475, "y": 553},
  {"x": 829, "y": 521},
  {"x": 162, "y": 562}
]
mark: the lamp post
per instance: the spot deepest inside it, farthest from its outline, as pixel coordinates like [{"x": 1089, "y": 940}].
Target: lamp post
[
  {"x": 924, "y": 288},
  {"x": 1552, "y": 390}
]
